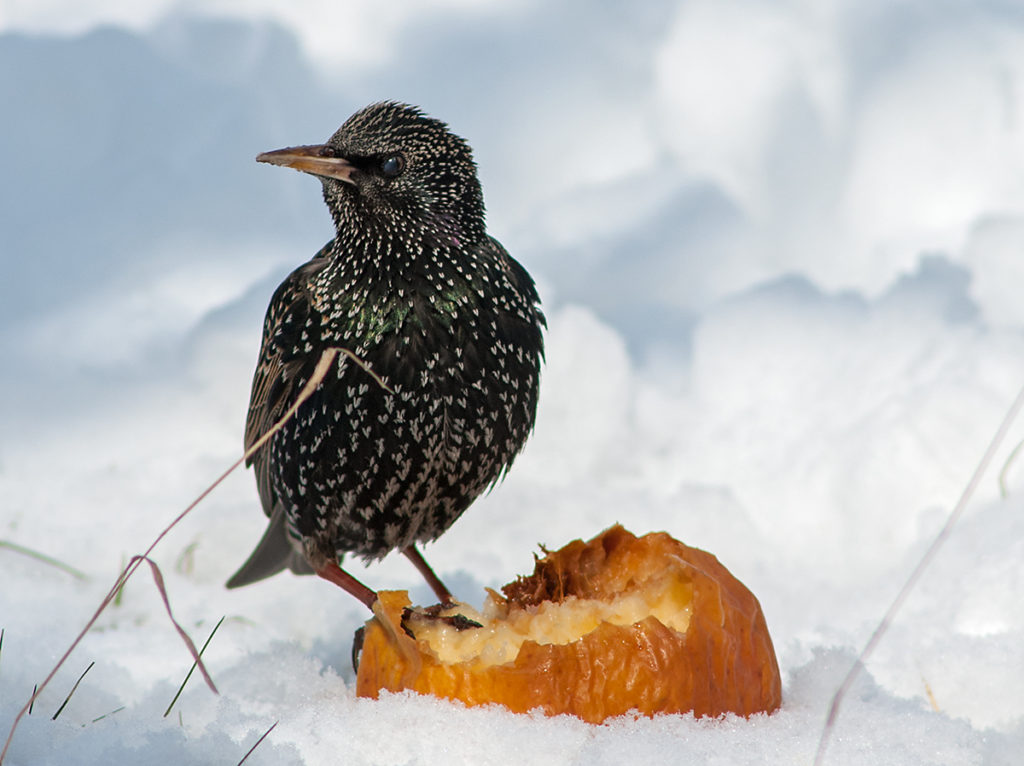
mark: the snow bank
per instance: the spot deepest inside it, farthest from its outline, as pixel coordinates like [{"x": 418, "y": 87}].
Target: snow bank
[{"x": 779, "y": 251}]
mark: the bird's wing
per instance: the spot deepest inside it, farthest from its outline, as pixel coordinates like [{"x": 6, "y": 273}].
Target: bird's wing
[
  {"x": 282, "y": 365},
  {"x": 521, "y": 282}
]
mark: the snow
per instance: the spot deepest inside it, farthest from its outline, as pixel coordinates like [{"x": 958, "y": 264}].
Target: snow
[{"x": 779, "y": 248}]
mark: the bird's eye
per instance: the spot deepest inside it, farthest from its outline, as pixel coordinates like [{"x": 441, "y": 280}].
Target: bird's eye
[{"x": 392, "y": 165}]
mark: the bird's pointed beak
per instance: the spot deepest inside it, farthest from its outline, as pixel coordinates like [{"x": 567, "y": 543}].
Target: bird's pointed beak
[{"x": 317, "y": 159}]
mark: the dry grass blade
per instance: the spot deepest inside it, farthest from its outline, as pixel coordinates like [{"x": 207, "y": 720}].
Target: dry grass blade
[
  {"x": 1005, "y": 470},
  {"x": 159, "y": 579},
  {"x": 258, "y": 742},
  {"x": 120, "y": 591},
  {"x": 67, "y": 699},
  {"x": 911, "y": 581},
  {"x": 112, "y": 712},
  {"x": 187, "y": 560},
  {"x": 78, "y": 574},
  {"x": 192, "y": 669},
  {"x": 931, "y": 695},
  {"x": 326, "y": 360}
]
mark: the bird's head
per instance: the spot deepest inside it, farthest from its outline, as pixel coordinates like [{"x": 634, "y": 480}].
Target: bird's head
[{"x": 392, "y": 167}]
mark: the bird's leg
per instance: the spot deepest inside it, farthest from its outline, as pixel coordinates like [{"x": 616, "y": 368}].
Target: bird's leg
[
  {"x": 331, "y": 571},
  {"x": 443, "y": 594}
]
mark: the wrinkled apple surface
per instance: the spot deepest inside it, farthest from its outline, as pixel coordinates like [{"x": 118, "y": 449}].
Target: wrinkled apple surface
[{"x": 600, "y": 628}]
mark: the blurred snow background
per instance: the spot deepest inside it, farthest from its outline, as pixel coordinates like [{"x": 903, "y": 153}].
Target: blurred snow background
[{"x": 780, "y": 247}]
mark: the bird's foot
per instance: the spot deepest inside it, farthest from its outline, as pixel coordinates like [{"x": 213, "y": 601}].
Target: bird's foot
[
  {"x": 335, "y": 574},
  {"x": 440, "y": 589}
]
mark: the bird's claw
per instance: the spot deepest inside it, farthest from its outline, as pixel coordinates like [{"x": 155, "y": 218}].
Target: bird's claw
[{"x": 357, "y": 646}]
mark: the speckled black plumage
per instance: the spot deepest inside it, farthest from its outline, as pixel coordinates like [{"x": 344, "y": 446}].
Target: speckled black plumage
[{"x": 413, "y": 286}]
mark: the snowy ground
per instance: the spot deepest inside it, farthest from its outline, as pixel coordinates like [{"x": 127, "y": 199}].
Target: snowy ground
[{"x": 780, "y": 247}]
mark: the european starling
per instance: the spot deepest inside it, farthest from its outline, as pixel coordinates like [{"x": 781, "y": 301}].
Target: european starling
[{"x": 448, "y": 323}]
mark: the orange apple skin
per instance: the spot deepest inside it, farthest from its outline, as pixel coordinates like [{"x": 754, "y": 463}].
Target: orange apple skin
[{"x": 723, "y": 663}]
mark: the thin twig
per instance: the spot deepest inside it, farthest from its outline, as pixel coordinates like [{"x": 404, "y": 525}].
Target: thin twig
[
  {"x": 76, "y": 573},
  {"x": 326, "y": 359},
  {"x": 908, "y": 586},
  {"x": 192, "y": 669},
  {"x": 67, "y": 699},
  {"x": 258, "y": 742}
]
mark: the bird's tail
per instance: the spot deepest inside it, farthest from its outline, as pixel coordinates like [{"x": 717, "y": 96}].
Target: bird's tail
[{"x": 274, "y": 553}]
